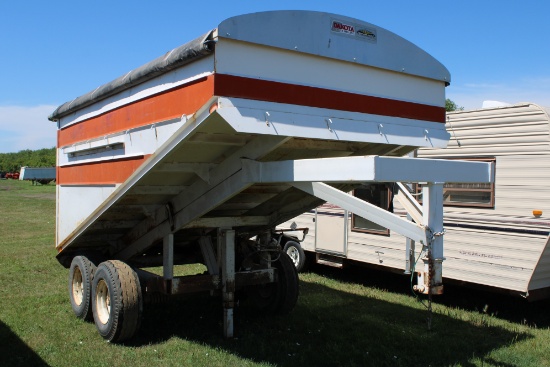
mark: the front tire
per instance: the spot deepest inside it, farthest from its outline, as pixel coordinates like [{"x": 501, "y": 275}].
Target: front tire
[
  {"x": 116, "y": 301},
  {"x": 81, "y": 274},
  {"x": 296, "y": 254}
]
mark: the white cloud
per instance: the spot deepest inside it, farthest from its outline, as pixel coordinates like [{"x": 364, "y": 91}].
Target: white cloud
[
  {"x": 471, "y": 96},
  {"x": 26, "y": 128}
]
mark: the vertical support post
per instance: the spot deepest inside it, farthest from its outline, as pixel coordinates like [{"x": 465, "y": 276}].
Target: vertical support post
[
  {"x": 168, "y": 256},
  {"x": 432, "y": 196},
  {"x": 227, "y": 252}
]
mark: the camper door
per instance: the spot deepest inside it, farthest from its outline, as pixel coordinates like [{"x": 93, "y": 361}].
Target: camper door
[{"x": 331, "y": 229}]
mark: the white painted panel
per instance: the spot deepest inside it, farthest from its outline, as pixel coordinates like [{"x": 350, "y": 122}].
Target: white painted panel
[
  {"x": 138, "y": 141},
  {"x": 76, "y": 203},
  {"x": 256, "y": 61},
  {"x": 257, "y": 117}
]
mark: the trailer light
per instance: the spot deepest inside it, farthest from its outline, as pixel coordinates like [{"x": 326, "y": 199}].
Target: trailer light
[{"x": 537, "y": 213}]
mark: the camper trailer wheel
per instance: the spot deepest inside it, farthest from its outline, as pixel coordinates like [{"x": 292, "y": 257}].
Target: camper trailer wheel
[
  {"x": 279, "y": 297},
  {"x": 116, "y": 301},
  {"x": 296, "y": 254},
  {"x": 81, "y": 274}
]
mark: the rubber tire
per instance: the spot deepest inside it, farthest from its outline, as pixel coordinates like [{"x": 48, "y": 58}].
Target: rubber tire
[
  {"x": 81, "y": 269},
  {"x": 120, "y": 283},
  {"x": 280, "y": 297},
  {"x": 294, "y": 250}
]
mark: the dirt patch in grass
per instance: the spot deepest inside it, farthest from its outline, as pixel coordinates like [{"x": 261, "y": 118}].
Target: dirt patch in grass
[{"x": 8, "y": 187}]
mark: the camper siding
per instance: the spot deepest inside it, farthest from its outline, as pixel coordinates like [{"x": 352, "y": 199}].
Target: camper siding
[
  {"x": 518, "y": 137},
  {"x": 541, "y": 275}
]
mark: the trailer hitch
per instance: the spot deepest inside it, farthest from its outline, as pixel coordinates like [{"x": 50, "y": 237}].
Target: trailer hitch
[{"x": 430, "y": 280}]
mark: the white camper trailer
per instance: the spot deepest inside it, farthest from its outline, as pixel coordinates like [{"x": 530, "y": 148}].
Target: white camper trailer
[{"x": 496, "y": 235}]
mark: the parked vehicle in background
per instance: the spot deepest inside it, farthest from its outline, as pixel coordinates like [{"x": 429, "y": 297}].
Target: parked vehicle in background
[
  {"x": 12, "y": 175},
  {"x": 41, "y": 175}
]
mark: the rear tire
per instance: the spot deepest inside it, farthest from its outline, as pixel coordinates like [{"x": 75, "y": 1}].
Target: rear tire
[
  {"x": 81, "y": 275},
  {"x": 279, "y": 297},
  {"x": 116, "y": 301}
]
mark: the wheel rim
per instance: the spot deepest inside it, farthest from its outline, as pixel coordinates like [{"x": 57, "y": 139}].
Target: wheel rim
[
  {"x": 78, "y": 286},
  {"x": 294, "y": 255},
  {"x": 103, "y": 302}
]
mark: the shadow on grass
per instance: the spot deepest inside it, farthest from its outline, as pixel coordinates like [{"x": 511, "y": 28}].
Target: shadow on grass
[
  {"x": 329, "y": 328},
  {"x": 507, "y": 307},
  {"x": 14, "y": 352}
]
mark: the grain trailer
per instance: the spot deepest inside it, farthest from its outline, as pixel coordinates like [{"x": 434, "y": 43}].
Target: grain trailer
[{"x": 196, "y": 156}]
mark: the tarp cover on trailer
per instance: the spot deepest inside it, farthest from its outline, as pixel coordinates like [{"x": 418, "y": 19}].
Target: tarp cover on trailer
[{"x": 176, "y": 58}]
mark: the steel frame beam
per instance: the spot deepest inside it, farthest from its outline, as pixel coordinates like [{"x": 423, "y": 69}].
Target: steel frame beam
[
  {"x": 367, "y": 169},
  {"x": 225, "y": 181},
  {"x": 362, "y": 208}
]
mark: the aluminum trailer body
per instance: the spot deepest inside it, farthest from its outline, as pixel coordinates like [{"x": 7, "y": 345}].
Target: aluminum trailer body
[
  {"x": 497, "y": 235},
  {"x": 189, "y": 156},
  {"x": 41, "y": 174}
]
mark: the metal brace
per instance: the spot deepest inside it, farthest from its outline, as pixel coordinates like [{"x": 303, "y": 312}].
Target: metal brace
[{"x": 329, "y": 124}]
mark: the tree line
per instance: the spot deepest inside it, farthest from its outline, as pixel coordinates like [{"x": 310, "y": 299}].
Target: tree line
[{"x": 12, "y": 162}]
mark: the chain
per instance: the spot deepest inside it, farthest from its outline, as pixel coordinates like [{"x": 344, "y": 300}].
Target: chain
[{"x": 431, "y": 239}]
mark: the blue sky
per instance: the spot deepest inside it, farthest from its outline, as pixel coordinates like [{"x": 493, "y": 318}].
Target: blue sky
[{"x": 54, "y": 51}]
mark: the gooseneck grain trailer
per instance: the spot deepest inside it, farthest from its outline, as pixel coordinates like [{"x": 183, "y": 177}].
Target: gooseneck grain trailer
[{"x": 196, "y": 156}]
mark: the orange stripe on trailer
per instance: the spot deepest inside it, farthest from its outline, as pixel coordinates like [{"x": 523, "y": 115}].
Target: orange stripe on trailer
[
  {"x": 185, "y": 99},
  {"x": 96, "y": 173},
  {"x": 270, "y": 91}
]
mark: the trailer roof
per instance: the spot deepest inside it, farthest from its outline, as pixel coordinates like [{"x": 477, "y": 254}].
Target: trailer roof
[{"x": 300, "y": 31}]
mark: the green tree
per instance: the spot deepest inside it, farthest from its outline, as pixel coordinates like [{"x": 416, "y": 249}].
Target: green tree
[
  {"x": 451, "y": 106},
  {"x": 12, "y": 162}
]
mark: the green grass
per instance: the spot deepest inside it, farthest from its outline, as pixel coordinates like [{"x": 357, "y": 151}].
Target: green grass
[{"x": 355, "y": 317}]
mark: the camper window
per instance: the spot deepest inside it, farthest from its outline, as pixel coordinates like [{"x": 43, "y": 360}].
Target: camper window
[
  {"x": 467, "y": 194},
  {"x": 377, "y": 194}
]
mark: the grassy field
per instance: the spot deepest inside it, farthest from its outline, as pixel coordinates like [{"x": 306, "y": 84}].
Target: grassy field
[{"x": 355, "y": 317}]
